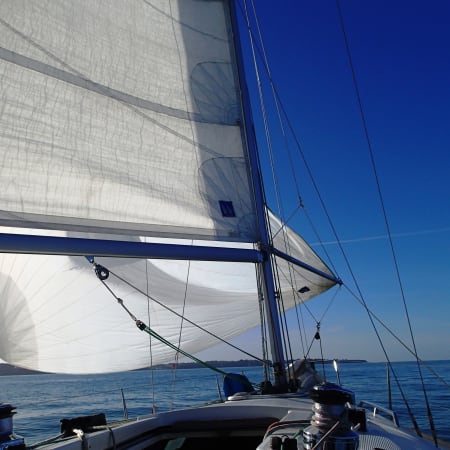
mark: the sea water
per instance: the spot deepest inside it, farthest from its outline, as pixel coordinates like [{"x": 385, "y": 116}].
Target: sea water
[{"x": 43, "y": 400}]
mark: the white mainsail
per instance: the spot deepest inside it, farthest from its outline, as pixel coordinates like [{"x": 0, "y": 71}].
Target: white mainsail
[
  {"x": 125, "y": 117},
  {"x": 122, "y": 116}
]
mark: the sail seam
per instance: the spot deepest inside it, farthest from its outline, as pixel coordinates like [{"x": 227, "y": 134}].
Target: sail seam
[{"x": 84, "y": 83}]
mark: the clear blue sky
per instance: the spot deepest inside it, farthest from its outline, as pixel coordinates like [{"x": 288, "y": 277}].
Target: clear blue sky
[{"x": 401, "y": 56}]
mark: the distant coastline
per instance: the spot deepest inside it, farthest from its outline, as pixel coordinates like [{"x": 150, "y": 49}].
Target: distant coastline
[
  {"x": 6, "y": 369},
  {"x": 247, "y": 363}
]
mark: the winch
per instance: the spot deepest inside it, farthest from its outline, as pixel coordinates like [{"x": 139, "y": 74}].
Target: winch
[
  {"x": 7, "y": 438},
  {"x": 330, "y": 425}
]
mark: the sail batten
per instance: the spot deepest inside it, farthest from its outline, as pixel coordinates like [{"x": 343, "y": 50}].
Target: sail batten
[{"x": 80, "y": 81}]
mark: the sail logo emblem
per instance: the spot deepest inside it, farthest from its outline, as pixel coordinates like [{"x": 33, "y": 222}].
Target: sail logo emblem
[{"x": 227, "y": 208}]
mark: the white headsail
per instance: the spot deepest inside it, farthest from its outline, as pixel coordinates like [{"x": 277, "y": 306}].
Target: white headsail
[{"x": 56, "y": 315}]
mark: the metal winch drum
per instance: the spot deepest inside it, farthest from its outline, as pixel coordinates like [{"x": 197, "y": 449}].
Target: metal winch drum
[
  {"x": 330, "y": 424},
  {"x": 7, "y": 438}
]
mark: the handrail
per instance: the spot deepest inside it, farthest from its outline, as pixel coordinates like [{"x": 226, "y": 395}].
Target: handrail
[{"x": 392, "y": 415}]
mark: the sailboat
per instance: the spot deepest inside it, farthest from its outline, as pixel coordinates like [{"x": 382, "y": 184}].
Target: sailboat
[{"x": 133, "y": 204}]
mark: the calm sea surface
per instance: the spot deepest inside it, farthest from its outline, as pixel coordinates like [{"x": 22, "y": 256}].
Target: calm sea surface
[{"x": 42, "y": 400}]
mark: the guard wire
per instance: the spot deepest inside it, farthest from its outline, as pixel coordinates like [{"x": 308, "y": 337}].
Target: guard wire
[{"x": 383, "y": 208}]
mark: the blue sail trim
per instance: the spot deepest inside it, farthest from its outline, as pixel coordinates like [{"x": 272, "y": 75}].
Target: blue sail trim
[{"x": 52, "y": 245}]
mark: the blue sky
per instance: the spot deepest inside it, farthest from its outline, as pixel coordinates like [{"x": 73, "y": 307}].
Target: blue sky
[{"x": 401, "y": 57}]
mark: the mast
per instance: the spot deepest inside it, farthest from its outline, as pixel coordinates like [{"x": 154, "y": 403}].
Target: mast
[{"x": 270, "y": 301}]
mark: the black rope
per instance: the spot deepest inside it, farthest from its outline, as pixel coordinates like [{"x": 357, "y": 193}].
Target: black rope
[
  {"x": 298, "y": 147},
  {"x": 380, "y": 195},
  {"x": 322, "y": 203},
  {"x": 282, "y": 229}
]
